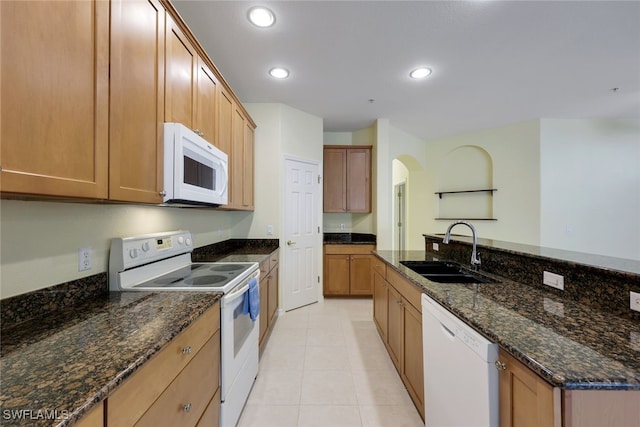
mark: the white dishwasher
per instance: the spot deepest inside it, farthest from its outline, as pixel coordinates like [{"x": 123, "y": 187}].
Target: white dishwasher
[{"x": 460, "y": 378}]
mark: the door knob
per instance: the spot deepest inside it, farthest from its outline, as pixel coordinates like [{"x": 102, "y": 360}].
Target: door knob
[{"x": 290, "y": 242}]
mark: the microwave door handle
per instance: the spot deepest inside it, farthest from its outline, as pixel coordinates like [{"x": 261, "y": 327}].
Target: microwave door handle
[
  {"x": 226, "y": 177},
  {"x": 236, "y": 294}
]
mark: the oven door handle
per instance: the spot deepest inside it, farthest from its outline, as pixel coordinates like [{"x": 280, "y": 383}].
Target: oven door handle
[{"x": 237, "y": 294}]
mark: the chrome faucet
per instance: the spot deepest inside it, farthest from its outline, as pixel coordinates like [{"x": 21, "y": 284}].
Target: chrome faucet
[{"x": 475, "y": 256}]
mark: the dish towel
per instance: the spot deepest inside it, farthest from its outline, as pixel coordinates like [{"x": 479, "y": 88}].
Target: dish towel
[{"x": 252, "y": 300}]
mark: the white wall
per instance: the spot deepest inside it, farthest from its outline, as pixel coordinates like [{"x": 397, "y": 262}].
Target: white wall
[
  {"x": 590, "y": 183},
  {"x": 39, "y": 241}
]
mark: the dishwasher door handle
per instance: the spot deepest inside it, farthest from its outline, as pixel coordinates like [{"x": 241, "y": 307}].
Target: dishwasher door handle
[{"x": 450, "y": 334}]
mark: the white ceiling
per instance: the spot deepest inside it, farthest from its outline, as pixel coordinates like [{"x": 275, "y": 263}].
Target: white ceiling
[{"x": 494, "y": 62}]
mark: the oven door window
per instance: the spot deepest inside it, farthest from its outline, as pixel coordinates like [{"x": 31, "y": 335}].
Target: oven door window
[
  {"x": 198, "y": 171},
  {"x": 242, "y": 327}
]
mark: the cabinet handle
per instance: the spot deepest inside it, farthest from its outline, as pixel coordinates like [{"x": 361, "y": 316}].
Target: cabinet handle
[
  {"x": 187, "y": 407},
  {"x": 186, "y": 350},
  {"x": 500, "y": 366}
]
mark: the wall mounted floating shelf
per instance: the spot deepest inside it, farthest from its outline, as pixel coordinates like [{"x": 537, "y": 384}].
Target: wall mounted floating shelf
[
  {"x": 466, "y": 219},
  {"x": 488, "y": 190}
]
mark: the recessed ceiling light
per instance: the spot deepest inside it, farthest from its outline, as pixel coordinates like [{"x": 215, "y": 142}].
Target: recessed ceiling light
[
  {"x": 279, "y": 73},
  {"x": 420, "y": 73},
  {"x": 261, "y": 16}
]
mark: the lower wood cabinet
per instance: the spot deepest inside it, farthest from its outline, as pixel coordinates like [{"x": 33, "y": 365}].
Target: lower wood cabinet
[
  {"x": 399, "y": 322},
  {"x": 179, "y": 385},
  {"x": 347, "y": 270},
  {"x": 269, "y": 296},
  {"x": 526, "y": 400}
]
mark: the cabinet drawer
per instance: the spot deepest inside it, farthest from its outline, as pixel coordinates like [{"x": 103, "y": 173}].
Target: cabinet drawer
[
  {"x": 273, "y": 260},
  {"x": 186, "y": 399},
  {"x": 127, "y": 404},
  {"x": 95, "y": 417},
  {"x": 349, "y": 249},
  {"x": 380, "y": 267},
  {"x": 211, "y": 416},
  {"x": 264, "y": 267},
  {"x": 409, "y": 291}
]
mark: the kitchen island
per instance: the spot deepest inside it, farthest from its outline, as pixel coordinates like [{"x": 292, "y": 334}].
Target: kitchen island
[{"x": 582, "y": 353}]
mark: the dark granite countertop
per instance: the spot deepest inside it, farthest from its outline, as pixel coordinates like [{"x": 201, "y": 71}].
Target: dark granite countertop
[
  {"x": 570, "y": 345},
  {"x": 71, "y": 361},
  {"x": 86, "y": 341},
  {"x": 349, "y": 239}
]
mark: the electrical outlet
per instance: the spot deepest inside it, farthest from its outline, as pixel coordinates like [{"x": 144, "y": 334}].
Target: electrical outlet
[
  {"x": 84, "y": 259},
  {"x": 269, "y": 230},
  {"x": 436, "y": 247},
  {"x": 341, "y": 227},
  {"x": 634, "y": 301},
  {"x": 553, "y": 280}
]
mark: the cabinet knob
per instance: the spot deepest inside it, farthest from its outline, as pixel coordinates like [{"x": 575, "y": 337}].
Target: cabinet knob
[
  {"x": 186, "y": 350},
  {"x": 163, "y": 193},
  {"x": 500, "y": 366},
  {"x": 187, "y": 407}
]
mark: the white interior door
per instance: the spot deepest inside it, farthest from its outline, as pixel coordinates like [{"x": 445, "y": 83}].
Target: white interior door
[{"x": 301, "y": 233}]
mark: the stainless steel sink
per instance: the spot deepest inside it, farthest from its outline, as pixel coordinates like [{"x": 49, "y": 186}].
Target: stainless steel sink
[{"x": 445, "y": 272}]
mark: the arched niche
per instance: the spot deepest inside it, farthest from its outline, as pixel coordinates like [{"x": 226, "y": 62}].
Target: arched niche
[{"x": 463, "y": 171}]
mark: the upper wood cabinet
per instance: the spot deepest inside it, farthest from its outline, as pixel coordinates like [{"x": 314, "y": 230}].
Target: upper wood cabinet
[
  {"x": 347, "y": 178},
  {"x": 191, "y": 87},
  {"x": 239, "y": 140},
  {"x": 206, "y": 102},
  {"x": 54, "y": 79},
  {"x": 181, "y": 66},
  {"x": 136, "y": 103},
  {"x": 86, "y": 89}
]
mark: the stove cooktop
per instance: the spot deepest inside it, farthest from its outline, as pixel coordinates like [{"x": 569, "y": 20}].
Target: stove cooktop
[{"x": 201, "y": 276}]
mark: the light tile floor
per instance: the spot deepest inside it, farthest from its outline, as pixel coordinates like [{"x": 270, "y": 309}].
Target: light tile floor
[{"x": 326, "y": 366}]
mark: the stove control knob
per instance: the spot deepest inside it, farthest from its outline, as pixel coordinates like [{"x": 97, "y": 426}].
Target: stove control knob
[
  {"x": 188, "y": 241},
  {"x": 180, "y": 240},
  {"x": 145, "y": 247},
  {"x": 133, "y": 253}
]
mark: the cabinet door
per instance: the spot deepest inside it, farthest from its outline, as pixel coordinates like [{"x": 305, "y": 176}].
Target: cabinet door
[
  {"x": 236, "y": 160},
  {"x": 412, "y": 365},
  {"x": 335, "y": 180},
  {"x": 54, "y": 112},
  {"x": 380, "y": 304},
  {"x": 360, "y": 275},
  {"x": 525, "y": 399},
  {"x": 264, "y": 308},
  {"x": 206, "y": 94},
  {"x": 247, "y": 179},
  {"x": 336, "y": 275},
  {"x": 358, "y": 193},
  {"x": 181, "y": 64},
  {"x": 225, "y": 120},
  {"x": 395, "y": 327},
  {"x": 136, "y": 103},
  {"x": 273, "y": 294}
]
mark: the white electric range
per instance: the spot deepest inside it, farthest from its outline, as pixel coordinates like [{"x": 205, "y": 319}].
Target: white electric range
[{"x": 161, "y": 262}]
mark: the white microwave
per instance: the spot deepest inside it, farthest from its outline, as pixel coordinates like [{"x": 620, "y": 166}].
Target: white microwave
[{"x": 195, "y": 172}]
